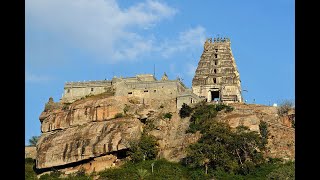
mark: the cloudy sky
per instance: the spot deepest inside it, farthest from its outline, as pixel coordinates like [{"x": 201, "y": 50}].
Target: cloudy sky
[{"x": 77, "y": 40}]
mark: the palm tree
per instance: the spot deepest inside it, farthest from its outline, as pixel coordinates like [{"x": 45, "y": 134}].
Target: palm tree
[
  {"x": 142, "y": 173},
  {"x": 33, "y": 141}
]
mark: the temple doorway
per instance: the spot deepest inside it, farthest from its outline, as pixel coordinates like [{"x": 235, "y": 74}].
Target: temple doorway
[{"x": 215, "y": 95}]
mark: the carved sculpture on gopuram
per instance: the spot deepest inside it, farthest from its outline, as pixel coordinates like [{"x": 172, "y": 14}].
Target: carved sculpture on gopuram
[{"x": 217, "y": 77}]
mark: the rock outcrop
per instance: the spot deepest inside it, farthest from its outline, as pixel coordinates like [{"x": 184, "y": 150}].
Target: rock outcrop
[
  {"x": 281, "y": 139},
  {"x": 94, "y": 133},
  {"x": 80, "y": 134},
  {"x": 87, "y": 141}
]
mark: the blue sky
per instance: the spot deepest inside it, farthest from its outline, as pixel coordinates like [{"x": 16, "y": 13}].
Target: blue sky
[{"x": 77, "y": 40}]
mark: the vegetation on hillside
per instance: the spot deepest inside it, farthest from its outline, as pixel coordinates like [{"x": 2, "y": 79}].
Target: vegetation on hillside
[
  {"x": 118, "y": 115},
  {"x": 220, "y": 147},
  {"x": 143, "y": 149},
  {"x": 203, "y": 115},
  {"x": 29, "y": 173},
  {"x": 263, "y": 128},
  {"x": 167, "y": 115},
  {"x": 162, "y": 169},
  {"x": 185, "y": 111}
]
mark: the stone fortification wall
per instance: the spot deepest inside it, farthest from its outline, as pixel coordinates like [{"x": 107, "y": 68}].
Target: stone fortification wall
[
  {"x": 142, "y": 86},
  {"x": 77, "y": 90},
  {"x": 155, "y": 89}
]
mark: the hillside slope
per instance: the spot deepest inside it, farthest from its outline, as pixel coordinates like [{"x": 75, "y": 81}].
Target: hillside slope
[{"x": 94, "y": 133}]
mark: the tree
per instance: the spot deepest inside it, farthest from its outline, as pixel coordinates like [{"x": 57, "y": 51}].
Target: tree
[
  {"x": 285, "y": 172},
  {"x": 185, "y": 111},
  {"x": 221, "y": 147},
  {"x": 144, "y": 149},
  {"x": 33, "y": 140},
  {"x": 263, "y": 127},
  {"x": 143, "y": 173}
]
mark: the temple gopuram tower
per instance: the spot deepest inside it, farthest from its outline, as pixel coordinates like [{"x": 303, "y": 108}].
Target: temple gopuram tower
[{"x": 217, "y": 77}]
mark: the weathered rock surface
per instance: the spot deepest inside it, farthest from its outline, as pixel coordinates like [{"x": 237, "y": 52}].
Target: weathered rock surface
[
  {"x": 87, "y": 135},
  {"x": 81, "y": 112},
  {"x": 87, "y": 141},
  {"x": 30, "y": 152},
  {"x": 171, "y": 136},
  {"x": 281, "y": 140}
]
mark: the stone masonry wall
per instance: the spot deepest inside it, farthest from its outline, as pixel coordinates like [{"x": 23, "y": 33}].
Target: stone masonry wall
[
  {"x": 155, "y": 90},
  {"x": 76, "y": 90}
]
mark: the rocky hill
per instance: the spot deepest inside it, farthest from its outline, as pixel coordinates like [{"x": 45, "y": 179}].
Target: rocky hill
[{"x": 94, "y": 133}]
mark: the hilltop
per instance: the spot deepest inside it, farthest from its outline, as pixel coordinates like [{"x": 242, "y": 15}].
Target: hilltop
[{"x": 94, "y": 133}]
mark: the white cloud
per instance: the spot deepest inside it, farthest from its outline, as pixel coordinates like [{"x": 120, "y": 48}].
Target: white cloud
[
  {"x": 100, "y": 26},
  {"x": 32, "y": 78},
  {"x": 189, "y": 39}
]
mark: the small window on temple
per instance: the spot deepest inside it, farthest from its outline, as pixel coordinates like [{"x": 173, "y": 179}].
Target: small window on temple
[
  {"x": 214, "y": 80},
  {"x": 91, "y": 89},
  {"x": 215, "y": 71},
  {"x": 215, "y": 55},
  {"x": 215, "y": 62},
  {"x": 68, "y": 91},
  {"x": 154, "y": 90},
  {"x": 129, "y": 92},
  {"x": 216, "y": 50},
  {"x": 145, "y": 91}
]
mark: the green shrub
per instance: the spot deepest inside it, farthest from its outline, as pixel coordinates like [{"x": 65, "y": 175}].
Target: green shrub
[
  {"x": 29, "y": 161},
  {"x": 29, "y": 172},
  {"x": 198, "y": 174},
  {"x": 193, "y": 128},
  {"x": 144, "y": 149},
  {"x": 163, "y": 169},
  {"x": 285, "y": 172},
  {"x": 220, "y": 107},
  {"x": 263, "y": 127},
  {"x": 185, "y": 111},
  {"x": 229, "y": 108},
  {"x": 167, "y": 115},
  {"x": 169, "y": 170},
  {"x": 274, "y": 160},
  {"x": 118, "y": 115},
  {"x": 53, "y": 175},
  {"x": 142, "y": 173},
  {"x": 203, "y": 115}
]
